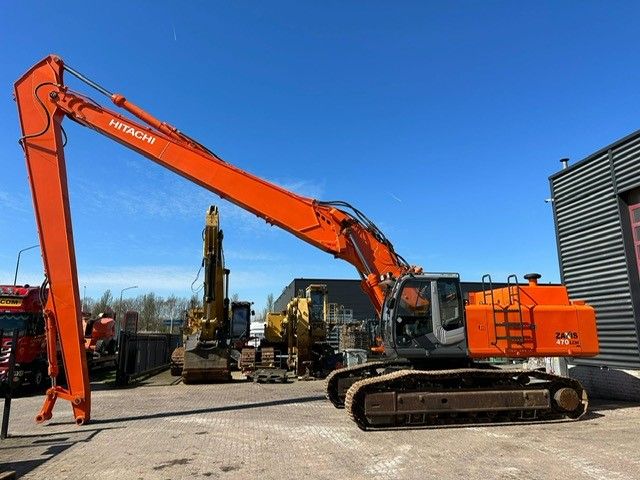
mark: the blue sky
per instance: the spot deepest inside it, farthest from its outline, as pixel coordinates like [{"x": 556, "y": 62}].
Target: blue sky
[{"x": 442, "y": 121}]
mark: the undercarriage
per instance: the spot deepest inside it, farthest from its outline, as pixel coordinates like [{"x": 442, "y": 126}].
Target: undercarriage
[{"x": 408, "y": 398}]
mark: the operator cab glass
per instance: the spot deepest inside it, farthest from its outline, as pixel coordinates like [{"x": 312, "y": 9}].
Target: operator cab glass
[
  {"x": 429, "y": 310},
  {"x": 317, "y": 307},
  {"x": 239, "y": 322},
  {"x": 450, "y": 304},
  {"x": 413, "y": 314}
]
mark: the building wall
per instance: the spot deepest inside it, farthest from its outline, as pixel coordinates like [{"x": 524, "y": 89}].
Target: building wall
[{"x": 595, "y": 245}]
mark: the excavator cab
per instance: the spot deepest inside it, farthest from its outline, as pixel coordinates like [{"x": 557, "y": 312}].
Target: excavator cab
[
  {"x": 240, "y": 323},
  {"x": 423, "y": 317}
]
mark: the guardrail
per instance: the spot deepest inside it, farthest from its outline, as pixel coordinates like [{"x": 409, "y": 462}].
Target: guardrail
[{"x": 143, "y": 354}]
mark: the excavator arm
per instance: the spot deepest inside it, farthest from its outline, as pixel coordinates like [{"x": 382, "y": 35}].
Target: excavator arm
[
  {"x": 215, "y": 303},
  {"x": 43, "y": 103}
]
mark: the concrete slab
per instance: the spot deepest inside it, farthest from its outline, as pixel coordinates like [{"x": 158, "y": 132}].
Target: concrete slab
[{"x": 242, "y": 430}]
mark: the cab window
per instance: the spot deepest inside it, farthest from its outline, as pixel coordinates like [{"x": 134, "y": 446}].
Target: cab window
[
  {"x": 450, "y": 304},
  {"x": 413, "y": 314},
  {"x": 239, "y": 322}
]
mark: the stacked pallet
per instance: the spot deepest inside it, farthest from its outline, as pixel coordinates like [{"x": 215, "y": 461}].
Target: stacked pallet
[{"x": 353, "y": 336}]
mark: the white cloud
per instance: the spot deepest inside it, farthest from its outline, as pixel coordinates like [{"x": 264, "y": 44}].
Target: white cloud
[
  {"x": 32, "y": 277},
  {"x": 157, "y": 278},
  {"x": 251, "y": 255},
  {"x": 160, "y": 278},
  {"x": 174, "y": 197},
  {"x": 308, "y": 188},
  {"x": 14, "y": 201}
]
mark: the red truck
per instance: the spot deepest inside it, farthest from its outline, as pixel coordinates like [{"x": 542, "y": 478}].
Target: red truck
[{"x": 21, "y": 308}]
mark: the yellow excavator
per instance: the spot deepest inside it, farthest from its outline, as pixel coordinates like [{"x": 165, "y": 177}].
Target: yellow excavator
[
  {"x": 301, "y": 331},
  {"x": 305, "y": 329},
  {"x": 207, "y": 357}
]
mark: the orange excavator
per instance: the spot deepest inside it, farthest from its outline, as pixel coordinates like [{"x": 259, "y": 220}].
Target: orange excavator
[{"x": 432, "y": 370}]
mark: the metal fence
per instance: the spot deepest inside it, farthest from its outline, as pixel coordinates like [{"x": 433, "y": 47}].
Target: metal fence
[{"x": 144, "y": 353}]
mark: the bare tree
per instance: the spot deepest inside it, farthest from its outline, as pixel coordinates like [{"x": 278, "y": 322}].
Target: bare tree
[
  {"x": 152, "y": 308},
  {"x": 270, "y": 302},
  {"x": 105, "y": 304},
  {"x": 149, "y": 312},
  {"x": 268, "y": 308},
  {"x": 88, "y": 305},
  {"x": 194, "y": 301}
]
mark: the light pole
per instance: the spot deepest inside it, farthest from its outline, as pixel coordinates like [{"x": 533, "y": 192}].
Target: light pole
[
  {"x": 120, "y": 305},
  {"x": 15, "y": 278}
]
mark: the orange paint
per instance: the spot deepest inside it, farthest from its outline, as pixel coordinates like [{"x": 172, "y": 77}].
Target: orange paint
[{"x": 544, "y": 323}]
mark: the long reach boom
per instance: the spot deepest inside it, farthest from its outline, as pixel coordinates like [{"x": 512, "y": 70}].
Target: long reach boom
[{"x": 44, "y": 101}]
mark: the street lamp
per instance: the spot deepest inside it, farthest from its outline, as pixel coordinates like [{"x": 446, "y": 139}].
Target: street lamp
[
  {"x": 120, "y": 305},
  {"x": 15, "y": 278}
]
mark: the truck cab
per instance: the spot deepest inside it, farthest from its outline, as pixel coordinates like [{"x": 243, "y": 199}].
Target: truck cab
[{"x": 21, "y": 309}]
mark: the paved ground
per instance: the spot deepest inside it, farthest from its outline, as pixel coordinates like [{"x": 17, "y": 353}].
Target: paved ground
[{"x": 245, "y": 431}]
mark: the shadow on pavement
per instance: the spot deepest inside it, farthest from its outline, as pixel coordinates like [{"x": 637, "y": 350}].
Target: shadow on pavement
[
  {"x": 53, "y": 444},
  {"x": 225, "y": 408},
  {"x": 601, "y": 405}
]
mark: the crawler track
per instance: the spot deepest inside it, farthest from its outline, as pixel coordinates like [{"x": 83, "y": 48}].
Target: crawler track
[
  {"x": 418, "y": 398},
  {"x": 339, "y": 381},
  {"x": 177, "y": 361}
]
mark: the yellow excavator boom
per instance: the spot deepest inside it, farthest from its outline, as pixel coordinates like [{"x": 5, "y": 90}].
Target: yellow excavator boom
[
  {"x": 216, "y": 303},
  {"x": 208, "y": 359}
]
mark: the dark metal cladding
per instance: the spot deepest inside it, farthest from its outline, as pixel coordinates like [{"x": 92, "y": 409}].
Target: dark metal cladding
[{"x": 591, "y": 200}]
